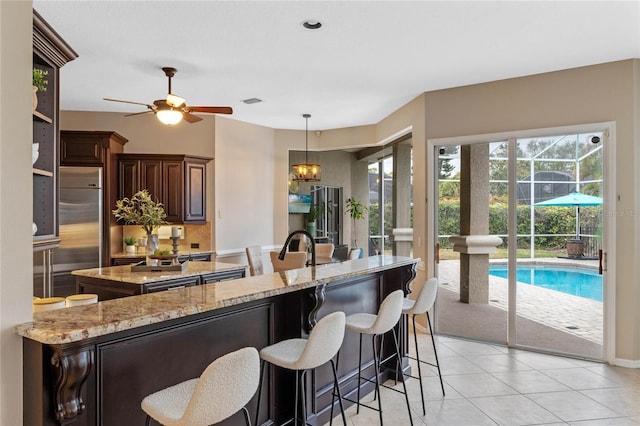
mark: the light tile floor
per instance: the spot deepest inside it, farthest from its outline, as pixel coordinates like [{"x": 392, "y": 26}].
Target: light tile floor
[{"x": 493, "y": 385}]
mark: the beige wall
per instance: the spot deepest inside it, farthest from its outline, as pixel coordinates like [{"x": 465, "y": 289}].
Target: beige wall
[
  {"x": 16, "y": 252},
  {"x": 600, "y": 93},
  {"x": 245, "y": 186}
]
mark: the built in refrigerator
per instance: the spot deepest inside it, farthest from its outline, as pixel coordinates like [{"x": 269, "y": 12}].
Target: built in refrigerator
[{"x": 80, "y": 226}]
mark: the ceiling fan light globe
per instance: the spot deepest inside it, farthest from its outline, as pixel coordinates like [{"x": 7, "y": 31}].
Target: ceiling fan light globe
[{"x": 169, "y": 116}]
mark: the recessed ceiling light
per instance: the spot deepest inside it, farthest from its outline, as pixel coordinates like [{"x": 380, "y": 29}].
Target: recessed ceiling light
[
  {"x": 252, "y": 101},
  {"x": 312, "y": 24}
]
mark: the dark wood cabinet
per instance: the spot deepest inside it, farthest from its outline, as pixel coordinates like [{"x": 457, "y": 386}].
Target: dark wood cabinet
[
  {"x": 173, "y": 190},
  {"x": 50, "y": 53},
  {"x": 177, "y": 181},
  {"x": 195, "y": 184}
]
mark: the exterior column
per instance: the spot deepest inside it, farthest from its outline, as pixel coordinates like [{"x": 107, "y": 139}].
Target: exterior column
[
  {"x": 474, "y": 244},
  {"x": 402, "y": 232}
]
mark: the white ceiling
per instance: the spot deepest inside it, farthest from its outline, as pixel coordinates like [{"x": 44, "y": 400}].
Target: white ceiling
[{"x": 367, "y": 60}]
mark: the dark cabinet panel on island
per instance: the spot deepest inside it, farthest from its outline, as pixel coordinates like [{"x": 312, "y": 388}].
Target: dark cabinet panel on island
[
  {"x": 194, "y": 257},
  {"x": 177, "y": 181}
]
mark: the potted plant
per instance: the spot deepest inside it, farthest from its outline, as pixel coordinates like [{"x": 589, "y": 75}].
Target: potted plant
[
  {"x": 312, "y": 216},
  {"x": 141, "y": 210},
  {"x": 356, "y": 211},
  {"x": 39, "y": 82},
  {"x": 130, "y": 243}
]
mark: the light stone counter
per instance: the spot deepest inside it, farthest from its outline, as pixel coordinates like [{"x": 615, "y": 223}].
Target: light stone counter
[
  {"x": 84, "y": 322},
  {"x": 123, "y": 273}
]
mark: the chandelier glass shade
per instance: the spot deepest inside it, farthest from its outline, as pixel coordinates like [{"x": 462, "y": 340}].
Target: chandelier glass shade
[{"x": 306, "y": 172}]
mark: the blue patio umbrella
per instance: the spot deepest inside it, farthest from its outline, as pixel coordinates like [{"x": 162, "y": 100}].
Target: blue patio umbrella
[{"x": 574, "y": 199}]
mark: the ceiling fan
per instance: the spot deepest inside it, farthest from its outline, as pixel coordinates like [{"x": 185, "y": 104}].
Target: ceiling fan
[{"x": 173, "y": 109}]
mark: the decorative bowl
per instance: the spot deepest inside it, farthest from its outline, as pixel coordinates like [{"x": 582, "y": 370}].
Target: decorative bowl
[
  {"x": 163, "y": 256},
  {"x": 35, "y": 152}
]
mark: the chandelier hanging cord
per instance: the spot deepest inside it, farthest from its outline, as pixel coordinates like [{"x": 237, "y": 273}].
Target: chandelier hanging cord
[{"x": 306, "y": 138}]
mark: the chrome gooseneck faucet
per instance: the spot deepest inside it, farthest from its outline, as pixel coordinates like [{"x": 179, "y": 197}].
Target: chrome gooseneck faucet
[{"x": 291, "y": 235}]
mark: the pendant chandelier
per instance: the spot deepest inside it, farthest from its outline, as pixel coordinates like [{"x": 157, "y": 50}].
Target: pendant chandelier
[{"x": 306, "y": 172}]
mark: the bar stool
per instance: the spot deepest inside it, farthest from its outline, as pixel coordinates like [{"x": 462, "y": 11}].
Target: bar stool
[
  {"x": 377, "y": 325},
  {"x": 48, "y": 304},
  {"x": 81, "y": 299},
  {"x": 223, "y": 389},
  {"x": 423, "y": 303},
  {"x": 302, "y": 355}
]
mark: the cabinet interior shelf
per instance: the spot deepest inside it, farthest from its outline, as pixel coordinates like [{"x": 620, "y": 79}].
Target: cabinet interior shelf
[
  {"x": 41, "y": 172},
  {"x": 42, "y": 117}
]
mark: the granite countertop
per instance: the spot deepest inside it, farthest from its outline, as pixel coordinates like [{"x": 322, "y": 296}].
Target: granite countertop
[
  {"x": 84, "y": 322},
  {"x": 123, "y": 273},
  {"x": 124, "y": 255}
]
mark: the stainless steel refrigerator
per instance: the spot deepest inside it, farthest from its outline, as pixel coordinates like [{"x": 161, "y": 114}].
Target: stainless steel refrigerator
[{"x": 80, "y": 219}]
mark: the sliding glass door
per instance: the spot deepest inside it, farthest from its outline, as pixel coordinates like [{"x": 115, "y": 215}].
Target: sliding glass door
[{"x": 541, "y": 210}]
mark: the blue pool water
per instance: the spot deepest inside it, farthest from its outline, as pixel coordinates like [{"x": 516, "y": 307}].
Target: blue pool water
[{"x": 579, "y": 282}]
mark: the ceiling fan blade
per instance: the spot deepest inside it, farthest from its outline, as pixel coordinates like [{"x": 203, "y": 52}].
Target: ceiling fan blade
[
  {"x": 137, "y": 113},
  {"x": 209, "y": 109},
  {"x": 127, "y": 102},
  {"x": 190, "y": 118}
]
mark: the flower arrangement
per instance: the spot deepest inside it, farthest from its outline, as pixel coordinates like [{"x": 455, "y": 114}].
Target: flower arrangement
[
  {"x": 140, "y": 209},
  {"x": 39, "y": 79}
]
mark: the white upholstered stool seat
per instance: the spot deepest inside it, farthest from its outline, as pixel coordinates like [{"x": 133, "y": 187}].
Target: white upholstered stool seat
[
  {"x": 423, "y": 303},
  {"x": 223, "y": 389},
  {"x": 377, "y": 325},
  {"x": 301, "y": 355}
]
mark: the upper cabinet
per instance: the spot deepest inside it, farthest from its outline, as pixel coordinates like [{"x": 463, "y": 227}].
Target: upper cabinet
[
  {"x": 177, "y": 181},
  {"x": 50, "y": 53}
]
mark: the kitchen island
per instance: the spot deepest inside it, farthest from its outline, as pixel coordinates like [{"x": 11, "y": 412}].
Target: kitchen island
[
  {"x": 120, "y": 281},
  {"x": 93, "y": 364}
]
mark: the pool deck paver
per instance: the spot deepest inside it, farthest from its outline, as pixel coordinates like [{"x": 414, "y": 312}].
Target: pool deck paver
[{"x": 551, "y": 308}]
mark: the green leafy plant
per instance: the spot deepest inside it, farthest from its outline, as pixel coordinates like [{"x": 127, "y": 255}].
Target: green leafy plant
[
  {"x": 130, "y": 241},
  {"x": 356, "y": 211},
  {"x": 141, "y": 210},
  {"x": 39, "y": 79},
  {"x": 313, "y": 214}
]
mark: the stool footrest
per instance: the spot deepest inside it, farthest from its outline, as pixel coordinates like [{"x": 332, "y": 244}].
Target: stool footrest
[{"x": 422, "y": 361}]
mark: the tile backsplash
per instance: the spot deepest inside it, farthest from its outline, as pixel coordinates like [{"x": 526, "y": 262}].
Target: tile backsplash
[{"x": 191, "y": 235}]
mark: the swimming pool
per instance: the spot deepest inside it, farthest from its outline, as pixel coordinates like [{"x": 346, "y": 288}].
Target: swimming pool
[{"x": 579, "y": 282}]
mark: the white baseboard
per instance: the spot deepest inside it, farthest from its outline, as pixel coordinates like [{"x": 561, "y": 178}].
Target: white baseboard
[
  {"x": 627, "y": 363},
  {"x": 241, "y": 251}
]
